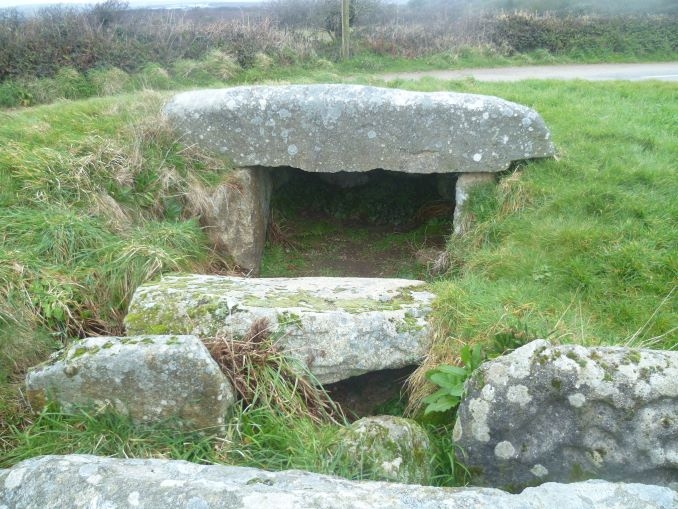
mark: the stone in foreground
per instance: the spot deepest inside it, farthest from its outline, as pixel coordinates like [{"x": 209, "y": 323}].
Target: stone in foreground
[
  {"x": 567, "y": 413},
  {"x": 150, "y": 379},
  {"x": 56, "y": 482},
  {"x": 336, "y": 327},
  {"x": 390, "y": 448},
  {"x": 331, "y": 128}
]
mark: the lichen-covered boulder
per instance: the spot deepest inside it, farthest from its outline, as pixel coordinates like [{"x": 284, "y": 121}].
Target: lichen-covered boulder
[
  {"x": 337, "y": 327},
  {"x": 150, "y": 379},
  {"x": 567, "y": 413},
  {"x": 56, "y": 482},
  {"x": 389, "y": 448},
  {"x": 330, "y": 128}
]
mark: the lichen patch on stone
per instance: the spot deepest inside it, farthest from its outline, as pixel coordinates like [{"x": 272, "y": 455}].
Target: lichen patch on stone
[{"x": 504, "y": 450}]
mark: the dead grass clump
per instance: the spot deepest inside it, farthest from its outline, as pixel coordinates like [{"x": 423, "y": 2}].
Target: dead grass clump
[
  {"x": 513, "y": 194},
  {"x": 263, "y": 375},
  {"x": 277, "y": 235}
]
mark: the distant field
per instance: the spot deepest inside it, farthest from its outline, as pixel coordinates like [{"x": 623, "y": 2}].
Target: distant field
[{"x": 96, "y": 196}]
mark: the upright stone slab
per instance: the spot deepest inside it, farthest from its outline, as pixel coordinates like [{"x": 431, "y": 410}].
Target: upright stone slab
[
  {"x": 237, "y": 219},
  {"x": 567, "y": 413},
  {"x": 337, "y": 327},
  {"x": 150, "y": 379},
  {"x": 330, "y": 128},
  {"x": 79, "y": 481},
  {"x": 465, "y": 183}
]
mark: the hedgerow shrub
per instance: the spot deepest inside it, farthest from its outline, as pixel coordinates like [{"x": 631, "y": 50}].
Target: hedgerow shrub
[
  {"x": 155, "y": 77},
  {"x": 11, "y": 95},
  {"x": 72, "y": 85},
  {"x": 131, "y": 40},
  {"x": 68, "y": 52},
  {"x": 109, "y": 36},
  {"x": 216, "y": 65},
  {"x": 523, "y": 32}
]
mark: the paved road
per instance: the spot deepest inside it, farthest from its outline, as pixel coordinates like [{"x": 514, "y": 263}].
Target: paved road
[{"x": 667, "y": 71}]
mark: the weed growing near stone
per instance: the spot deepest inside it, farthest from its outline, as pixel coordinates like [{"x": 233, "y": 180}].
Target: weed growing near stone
[{"x": 450, "y": 380}]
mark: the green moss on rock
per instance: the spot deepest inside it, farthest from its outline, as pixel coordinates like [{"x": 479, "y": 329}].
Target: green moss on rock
[
  {"x": 390, "y": 449},
  {"x": 409, "y": 323},
  {"x": 631, "y": 357}
]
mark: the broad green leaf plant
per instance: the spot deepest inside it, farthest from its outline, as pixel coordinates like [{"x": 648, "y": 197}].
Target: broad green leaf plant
[{"x": 451, "y": 380}]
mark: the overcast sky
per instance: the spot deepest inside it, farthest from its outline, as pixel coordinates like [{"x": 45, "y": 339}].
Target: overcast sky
[{"x": 15, "y": 3}]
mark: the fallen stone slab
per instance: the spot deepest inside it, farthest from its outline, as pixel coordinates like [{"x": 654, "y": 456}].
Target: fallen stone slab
[
  {"x": 336, "y": 327},
  {"x": 567, "y": 413},
  {"x": 55, "y": 482},
  {"x": 170, "y": 379},
  {"x": 353, "y": 128}
]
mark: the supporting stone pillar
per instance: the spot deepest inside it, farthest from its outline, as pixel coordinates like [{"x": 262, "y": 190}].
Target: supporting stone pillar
[
  {"x": 465, "y": 182},
  {"x": 237, "y": 221}
]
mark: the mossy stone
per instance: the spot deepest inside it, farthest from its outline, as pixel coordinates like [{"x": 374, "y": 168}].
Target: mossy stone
[{"x": 389, "y": 448}]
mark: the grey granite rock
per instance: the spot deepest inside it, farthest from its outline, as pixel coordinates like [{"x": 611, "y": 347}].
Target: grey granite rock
[
  {"x": 346, "y": 128},
  {"x": 329, "y": 128},
  {"x": 169, "y": 379},
  {"x": 567, "y": 413},
  {"x": 337, "y": 327},
  {"x": 390, "y": 448},
  {"x": 57, "y": 482},
  {"x": 236, "y": 215}
]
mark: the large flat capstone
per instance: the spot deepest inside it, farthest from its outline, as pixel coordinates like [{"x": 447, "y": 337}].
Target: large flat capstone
[
  {"x": 567, "y": 413},
  {"x": 353, "y": 128},
  {"x": 56, "y": 482},
  {"x": 170, "y": 379},
  {"x": 337, "y": 327}
]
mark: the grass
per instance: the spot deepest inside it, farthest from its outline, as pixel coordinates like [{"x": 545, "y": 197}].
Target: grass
[
  {"x": 95, "y": 200},
  {"x": 108, "y": 434},
  {"x": 281, "y": 420},
  {"x": 466, "y": 57},
  {"x": 358, "y": 251},
  {"x": 97, "y": 196},
  {"x": 579, "y": 249}
]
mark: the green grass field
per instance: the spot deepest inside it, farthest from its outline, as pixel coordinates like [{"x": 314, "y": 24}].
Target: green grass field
[{"x": 96, "y": 196}]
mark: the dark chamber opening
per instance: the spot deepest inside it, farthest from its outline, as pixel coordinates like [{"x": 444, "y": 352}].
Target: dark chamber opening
[
  {"x": 376, "y": 393},
  {"x": 371, "y": 224},
  {"x": 378, "y": 197}
]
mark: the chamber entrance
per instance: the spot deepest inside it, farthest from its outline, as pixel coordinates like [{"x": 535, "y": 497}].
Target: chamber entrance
[{"x": 372, "y": 224}]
